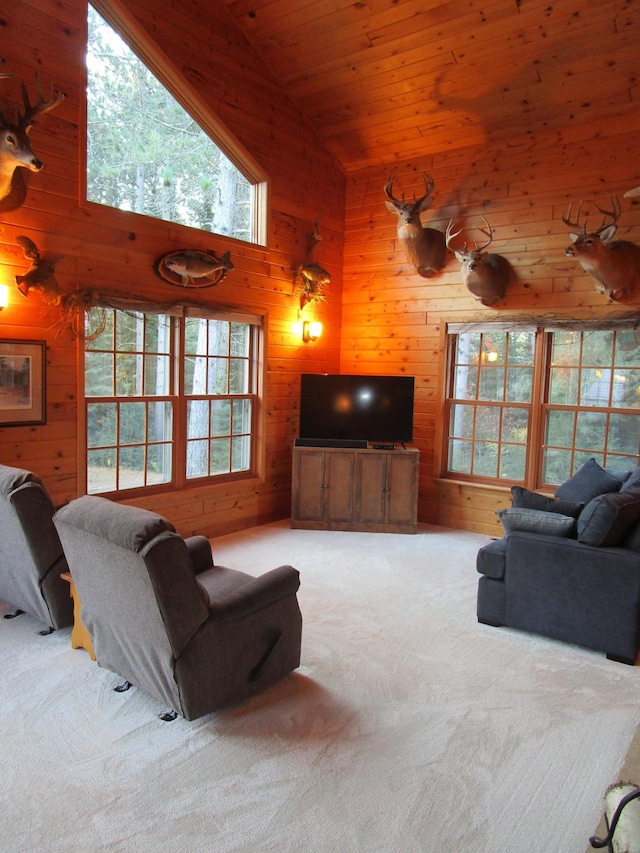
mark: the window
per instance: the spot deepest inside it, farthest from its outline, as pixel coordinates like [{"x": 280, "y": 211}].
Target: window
[
  {"x": 168, "y": 399},
  {"x": 146, "y": 152},
  {"x": 530, "y": 406}
]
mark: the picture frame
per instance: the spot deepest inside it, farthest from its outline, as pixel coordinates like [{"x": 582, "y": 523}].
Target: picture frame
[{"x": 22, "y": 383}]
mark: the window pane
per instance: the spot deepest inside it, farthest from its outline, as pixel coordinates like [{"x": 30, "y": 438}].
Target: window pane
[
  {"x": 221, "y": 417},
  {"x": 159, "y": 421},
  {"x": 133, "y": 426},
  {"x": 240, "y": 340},
  {"x": 98, "y": 374},
  {"x": 157, "y": 370},
  {"x": 220, "y": 456},
  {"x": 468, "y": 348},
  {"x": 159, "y": 464},
  {"x": 461, "y": 421},
  {"x": 101, "y": 471},
  {"x": 131, "y": 470},
  {"x": 519, "y": 384},
  {"x": 128, "y": 375},
  {"x": 465, "y": 383},
  {"x": 101, "y": 424},
  {"x": 491, "y": 383},
  {"x": 591, "y": 429},
  {"x": 513, "y": 462},
  {"x": 624, "y": 434},
  {"x": 197, "y": 458},
  {"x": 563, "y": 386},
  {"x": 559, "y": 430},
  {"x": 238, "y": 376},
  {"x": 485, "y": 459},
  {"x": 241, "y": 416},
  {"x": 487, "y": 422},
  {"x": 197, "y": 418},
  {"x": 240, "y": 453},
  {"x": 218, "y": 376},
  {"x": 218, "y": 337},
  {"x": 171, "y": 169},
  {"x": 460, "y": 456},
  {"x": 556, "y": 465}
]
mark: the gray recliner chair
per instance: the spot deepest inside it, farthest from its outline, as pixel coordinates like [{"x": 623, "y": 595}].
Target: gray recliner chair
[
  {"x": 193, "y": 635},
  {"x": 31, "y": 556}
]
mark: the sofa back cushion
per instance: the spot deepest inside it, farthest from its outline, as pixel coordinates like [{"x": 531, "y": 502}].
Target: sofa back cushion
[{"x": 607, "y": 519}]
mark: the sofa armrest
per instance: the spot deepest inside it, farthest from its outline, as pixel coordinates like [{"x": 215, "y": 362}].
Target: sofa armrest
[
  {"x": 199, "y": 549},
  {"x": 256, "y": 594}
]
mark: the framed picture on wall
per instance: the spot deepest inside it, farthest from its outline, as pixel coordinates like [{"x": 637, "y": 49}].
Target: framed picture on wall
[{"x": 22, "y": 383}]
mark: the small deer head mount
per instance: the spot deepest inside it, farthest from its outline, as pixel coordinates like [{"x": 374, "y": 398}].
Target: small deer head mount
[
  {"x": 15, "y": 146},
  {"x": 484, "y": 274},
  {"x": 310, "y": 278},
  {"x": 424, "y": 247},
  {"x": 614, "y": 264}
]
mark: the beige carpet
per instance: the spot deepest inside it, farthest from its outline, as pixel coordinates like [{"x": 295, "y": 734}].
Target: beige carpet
[{"x": 409, "y": 727}]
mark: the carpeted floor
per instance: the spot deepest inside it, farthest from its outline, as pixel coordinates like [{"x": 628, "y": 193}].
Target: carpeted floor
[{"x": 409, "y": 726}]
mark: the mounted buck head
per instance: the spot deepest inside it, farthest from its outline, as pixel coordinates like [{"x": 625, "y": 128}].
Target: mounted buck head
[
  {"x": 424, "y": 248},
  {"x": 485, "y": 275},
  {"x": 15, "y": 146},
  {"x": 615, "y": 264}
]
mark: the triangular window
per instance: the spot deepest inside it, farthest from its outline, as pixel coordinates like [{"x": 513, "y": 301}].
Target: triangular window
[{"x": 147, "y": 154}]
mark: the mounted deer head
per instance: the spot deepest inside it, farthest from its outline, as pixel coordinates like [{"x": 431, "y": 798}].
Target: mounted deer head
[
  {"x": 15, "y": 146},
  {"x": 615, "y": 264},
  {"x": 424, "y": 247},
  {"x": 485, "y": 275}
]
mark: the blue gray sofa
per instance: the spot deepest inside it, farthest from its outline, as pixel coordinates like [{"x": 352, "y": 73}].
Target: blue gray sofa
[{"x": 568, "y": 566}]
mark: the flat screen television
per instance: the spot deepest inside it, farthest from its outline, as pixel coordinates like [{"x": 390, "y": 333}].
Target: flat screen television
[{"x": 376, "y": 409}]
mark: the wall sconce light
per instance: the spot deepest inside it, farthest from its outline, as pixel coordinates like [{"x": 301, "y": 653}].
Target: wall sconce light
[
  {"x": 311, "y": 330},
  {"x": 4, "y": 296}
]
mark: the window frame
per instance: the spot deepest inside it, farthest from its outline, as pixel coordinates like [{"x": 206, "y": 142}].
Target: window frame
[
  {"x": 181, "y": 88},
  {"x": 539, "y": 405},
  {"x": 180, "y": 399}
]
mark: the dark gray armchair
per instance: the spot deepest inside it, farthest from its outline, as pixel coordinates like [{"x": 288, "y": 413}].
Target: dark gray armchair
[
  {"x": 193, "y": 635},
  {"x": 31, "y": 556}
]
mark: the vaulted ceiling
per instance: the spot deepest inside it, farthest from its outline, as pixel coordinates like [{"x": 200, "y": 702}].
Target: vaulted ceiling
[{"x": 383, "y": 80}]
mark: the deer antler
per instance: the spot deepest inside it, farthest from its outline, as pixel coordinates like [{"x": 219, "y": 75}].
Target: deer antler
[
  {"x": 388, "y": 187},
  {"x": 566, "y": 218},
  {"x": 449, "y": 236},
  {"x": 488, "y": 234},
  {"x": 32, "y": 112},
  {"x": 614, "y": 214}
]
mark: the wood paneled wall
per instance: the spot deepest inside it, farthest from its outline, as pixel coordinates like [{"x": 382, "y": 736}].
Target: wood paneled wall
[
  {"x": 111, "y": 250},
  {"x": 393, "y": 320}
]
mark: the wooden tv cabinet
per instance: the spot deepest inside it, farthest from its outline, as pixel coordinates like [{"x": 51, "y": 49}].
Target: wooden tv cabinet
[{"x": 367, "y": 490}]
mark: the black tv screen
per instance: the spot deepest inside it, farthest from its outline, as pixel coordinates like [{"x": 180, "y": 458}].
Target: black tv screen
[{"x": 349, "y": 408}]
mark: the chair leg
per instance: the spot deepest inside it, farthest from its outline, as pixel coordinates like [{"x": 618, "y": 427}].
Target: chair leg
[
  {"x": 13, "y": 615},
  {"x": 169, "y": 716}
]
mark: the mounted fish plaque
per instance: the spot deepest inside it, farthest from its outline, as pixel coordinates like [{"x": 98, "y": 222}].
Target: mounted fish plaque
[{"x": 195, "y": 269}]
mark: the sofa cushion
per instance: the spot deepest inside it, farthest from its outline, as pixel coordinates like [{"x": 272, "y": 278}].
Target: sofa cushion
[
  {"x": 607, "y": 518},
  {"x": 632, "y": 482},
  {"x": 536, "y": 521},
  {"x": 521, "y": 497},
  {"x": 588, "y": 482}
]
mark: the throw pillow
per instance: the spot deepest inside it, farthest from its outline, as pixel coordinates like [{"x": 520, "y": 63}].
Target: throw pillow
[
  {"x": 587, "y": 483},
  {"x": 606, "y": 519},
  {"x": 632, "y": 482},
  {"x": 521, "y": 497},
  {"x": 536, "y": 521}
]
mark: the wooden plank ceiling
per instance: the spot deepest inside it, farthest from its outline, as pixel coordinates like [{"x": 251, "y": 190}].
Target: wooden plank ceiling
[{"x": 382, "y": 81}]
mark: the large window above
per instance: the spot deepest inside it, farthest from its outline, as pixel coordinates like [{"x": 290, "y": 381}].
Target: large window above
[
  {"x": 530, "y": 406},
  {"x": 147, "y": 154},
  {"x": 168, "y": 400}
]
